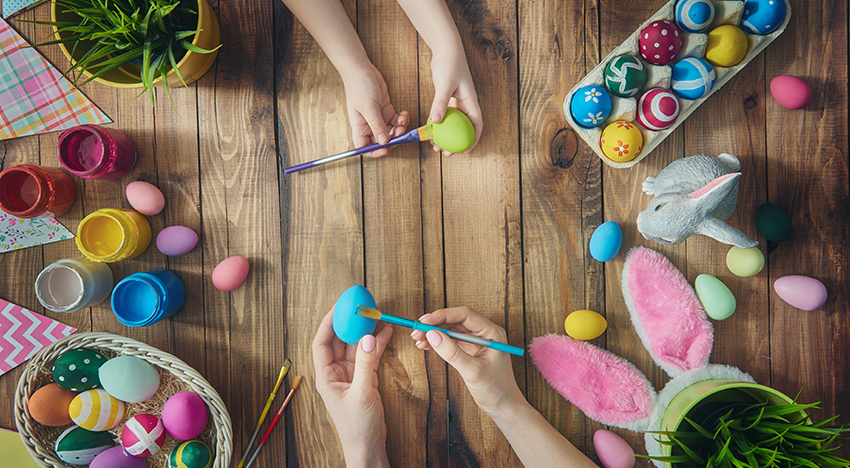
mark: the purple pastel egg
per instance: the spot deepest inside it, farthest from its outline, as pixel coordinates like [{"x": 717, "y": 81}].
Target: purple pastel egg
[
  {"x": 176, "y": 240},
  {"x": 801, "y": 292},
  {"x": 117, "y": 457}
]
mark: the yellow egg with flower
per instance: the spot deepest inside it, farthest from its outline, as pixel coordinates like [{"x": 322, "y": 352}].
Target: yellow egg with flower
[{"x": 621, "y": 141}]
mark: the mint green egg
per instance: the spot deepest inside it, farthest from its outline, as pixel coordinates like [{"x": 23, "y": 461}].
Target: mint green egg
[
  {"x": 454, "y": 133},
  {"x": 717, "y": 300},
  {"x": 745, "y": 262}
]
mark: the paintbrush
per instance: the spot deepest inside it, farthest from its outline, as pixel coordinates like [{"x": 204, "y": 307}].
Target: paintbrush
[
  {"x": 274, "y": 421},
  {"x": 283, "y": 371},
  {"x": 367, "y": 312}
]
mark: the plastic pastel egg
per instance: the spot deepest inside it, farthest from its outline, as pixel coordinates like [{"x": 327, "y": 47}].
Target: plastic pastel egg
[
  {"x": 230, "y": 273},
  {"x": 625, "y": 75},
  {"x": 694, "y": 16},
  {"x": 145, "y": 198},
  {"x": 773, "y": 222},
  {"x": 790, "y": 92},
  {"x": 348, "y": 326},
  {"x": 454, "y": 133},
  {"x": 117, "y": 457},
  {"x": 191, "y": 454},
  {"x": 143, "y": 435},
  {"x": 657, "y": 109},
  {"x": 727, "y": 45},
  {"x": 78, "y": 446},
  {"x": 801, "y": 292},
  {"x": 763, "y": 16},
  {"x": 660, "y": 42},
  {"x": 590, "y": 106},
  {"x": 49, "y": 405},
  {"x": 612, "y": 450},
  {"x": 129, "y": 379},
  {"x": 184, "y": 415},
  {"x": 606, "y": 241},
  {"x": 745, "y": 262},
  {"x": 693, "y": 78},
  {"x": 621, "y": 141},
  {"x": 176, "y": 240},
  {"x": 76, "y": 370},
  {"x": 717, "y": 300},
  {"x": 96, "y": 410},
  {"x": 585, "y": 324}
]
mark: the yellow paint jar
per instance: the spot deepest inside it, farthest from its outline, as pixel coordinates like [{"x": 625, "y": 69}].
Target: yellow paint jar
[{"x": 111, "y": 235}]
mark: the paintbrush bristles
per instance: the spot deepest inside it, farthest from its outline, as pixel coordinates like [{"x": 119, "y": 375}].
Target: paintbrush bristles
[
  {"x": 426, "y": 132},
  {"x": 367, "y": 312},
  {"x": 296, "y": 382}
]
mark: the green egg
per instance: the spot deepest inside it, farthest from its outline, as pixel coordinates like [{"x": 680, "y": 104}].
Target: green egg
[
  {"x": 191, "y": 454},
  {"x": 773, "y": 222},
  {"x": 78, "y": 446},
  {"x": 745, "y": 262},
  {"x": 716, "y": 298},
  {"x": 77, "y": 369},
  {"x": 454, "y": 133}
]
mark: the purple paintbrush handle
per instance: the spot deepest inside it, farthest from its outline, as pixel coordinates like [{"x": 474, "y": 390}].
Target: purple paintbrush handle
[{"x": 409, "y": 137}]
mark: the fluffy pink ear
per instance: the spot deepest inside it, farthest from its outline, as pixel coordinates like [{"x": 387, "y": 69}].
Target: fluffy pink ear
[{"x": 604, "y": 386}]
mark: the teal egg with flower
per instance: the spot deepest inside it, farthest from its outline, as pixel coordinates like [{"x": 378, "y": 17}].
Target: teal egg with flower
[{"x": 590, "y": 106}]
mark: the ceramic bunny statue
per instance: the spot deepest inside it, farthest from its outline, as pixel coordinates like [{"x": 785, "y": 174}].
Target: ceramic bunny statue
[
  {"x": 673, "y": 327},
  {"x": 693, "y": 195}
]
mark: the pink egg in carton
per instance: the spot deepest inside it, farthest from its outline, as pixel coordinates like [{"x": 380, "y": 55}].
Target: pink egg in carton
[{"x": 660, "y": 76}]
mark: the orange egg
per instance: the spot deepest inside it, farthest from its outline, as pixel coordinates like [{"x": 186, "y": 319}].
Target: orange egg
[{"x": 49, "y": 405}]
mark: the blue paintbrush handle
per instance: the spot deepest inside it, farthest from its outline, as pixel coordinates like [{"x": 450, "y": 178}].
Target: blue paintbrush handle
[
  {"x": 409, "y": 137},
  {"x": 453, "y": 334}
]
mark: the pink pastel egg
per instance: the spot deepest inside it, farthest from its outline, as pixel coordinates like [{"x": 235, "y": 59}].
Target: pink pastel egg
[
  {"x": 143, "y": 435},
  {"x": 612, "y": 450},
  {"x": 117, "y": 457},
  {"x": 790, "y": 92},
  {"x": 801, "y": 292},
  {"x": 185, "y": 415},
  {"x": 230, "y": 273},
  {"x": 145, "y": 198},
  {"x": 176, "y": 240}
]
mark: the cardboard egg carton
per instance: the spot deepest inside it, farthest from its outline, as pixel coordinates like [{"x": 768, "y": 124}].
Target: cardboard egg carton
[{"x": 659, "y": 76}]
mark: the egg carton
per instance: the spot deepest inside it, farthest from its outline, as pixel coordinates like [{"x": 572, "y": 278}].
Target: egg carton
[{"x": 659, "y": 76}]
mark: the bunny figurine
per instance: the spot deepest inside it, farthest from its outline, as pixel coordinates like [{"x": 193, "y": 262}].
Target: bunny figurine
[
  {"x": 693, "y": 195},
  {"x": 673, "y": 327}
]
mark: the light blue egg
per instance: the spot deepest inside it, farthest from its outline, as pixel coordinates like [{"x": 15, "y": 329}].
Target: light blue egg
[
  {"x": 694, "y": 15},
  {"x": 591, "y": 106},
  {"x": 763, "y": 16},
  {"x": 350, "y": 327},
  {"x": 606, "y": 241},
  {"x": 716, "y": 298},
  {"x": 693, "y": 78}
]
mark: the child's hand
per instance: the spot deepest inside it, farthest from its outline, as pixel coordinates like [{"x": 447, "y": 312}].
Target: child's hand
[
  {"x": 453, "y": 86},
  {"x": 370, "y": 110}
]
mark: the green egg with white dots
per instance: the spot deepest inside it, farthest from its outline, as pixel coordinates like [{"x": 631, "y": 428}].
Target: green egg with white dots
[
  {"x": 77, "y": 369},
  {"x": 454, "y": 133}
]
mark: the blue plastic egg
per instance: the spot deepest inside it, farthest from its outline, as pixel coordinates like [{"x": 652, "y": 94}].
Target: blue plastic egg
[
  {"x": 693, "y": 78},
  {"x": 763, "y": 16},
  {"x": 694, "y": 15},
  {"x": 591, "y": 105},
  {"x": 348, "y": 326},
  {"x": 606, "y": 241}
]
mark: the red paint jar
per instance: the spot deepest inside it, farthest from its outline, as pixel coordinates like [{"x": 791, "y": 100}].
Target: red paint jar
[
  {"x": 28, "y": 191},
  {"x": 94, "y": 152}
]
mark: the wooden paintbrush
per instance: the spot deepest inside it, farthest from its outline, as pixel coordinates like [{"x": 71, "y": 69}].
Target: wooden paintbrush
[
  {"x": 283, "y": 371},
  {"x": 295, "y": 384}
]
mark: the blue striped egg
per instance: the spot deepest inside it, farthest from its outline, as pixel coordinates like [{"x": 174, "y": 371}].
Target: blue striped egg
[
  {"x": 693, "y": 78},
  {"x": 763, "y": 16},
  {"x": 694, "y": 15},
  {"x": 591, "y": 106}
]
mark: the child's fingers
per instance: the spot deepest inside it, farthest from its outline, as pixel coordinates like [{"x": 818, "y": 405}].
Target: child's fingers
[{"x": 466, "y": 320}]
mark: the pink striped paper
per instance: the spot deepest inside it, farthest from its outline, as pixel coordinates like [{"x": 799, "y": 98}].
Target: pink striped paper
[{"x": 24, "y": 333}]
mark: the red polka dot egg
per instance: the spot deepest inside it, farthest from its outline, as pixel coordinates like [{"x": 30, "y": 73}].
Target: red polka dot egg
[
  {"x": 660, "y": 42},
  {"x": 658, "y": 109},
  {"x": 143, "y": 435}
]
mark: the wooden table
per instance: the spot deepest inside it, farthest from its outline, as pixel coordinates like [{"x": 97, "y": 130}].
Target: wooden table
[{"x": 504, "y": 230}]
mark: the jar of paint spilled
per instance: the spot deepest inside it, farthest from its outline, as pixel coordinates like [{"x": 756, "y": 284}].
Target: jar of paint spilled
[
  {"x": 111, "y": 235},
  {"x": 73, "y": 284},
  {"x": 94, "y": 152},
  {"x": 143, "y": 299},
  {"x": 28, "y": 191}
]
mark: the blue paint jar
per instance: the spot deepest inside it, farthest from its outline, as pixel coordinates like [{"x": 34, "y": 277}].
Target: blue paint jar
[{"x": 143, "y": 299}]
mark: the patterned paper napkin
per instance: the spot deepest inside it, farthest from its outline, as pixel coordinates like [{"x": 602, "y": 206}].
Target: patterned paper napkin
[
  {"x": 14, "y": 7},
  {"x": 24, "y": 333},
  {"x": 18, "y": 233},
  {"x": 34, "y": 97}
]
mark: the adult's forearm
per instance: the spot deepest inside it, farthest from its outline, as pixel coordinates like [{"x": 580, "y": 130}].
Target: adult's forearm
[{"x": 434, "y": 22}]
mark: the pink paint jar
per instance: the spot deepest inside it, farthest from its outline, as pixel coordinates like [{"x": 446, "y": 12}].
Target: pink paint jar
[
  {"x": 28, "y": 191},
  {"x": 94, "y": 152}
]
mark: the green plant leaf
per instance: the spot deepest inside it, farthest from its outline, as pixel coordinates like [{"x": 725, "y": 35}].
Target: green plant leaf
[{"x": 193, "y": 48}]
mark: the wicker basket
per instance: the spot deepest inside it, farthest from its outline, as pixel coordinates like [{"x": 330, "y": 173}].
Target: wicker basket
[{"x": 175, "y": 376}]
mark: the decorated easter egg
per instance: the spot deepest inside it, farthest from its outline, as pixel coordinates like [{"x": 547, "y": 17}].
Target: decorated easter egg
[
  {"x": 117, "y": 457},
  {"x": 625, "y": 75},
  {"x": 348, "y": 326},
  {"x": 129, "y": 379},
  {"x": 790, "y": 92},
  {"x": 49, "y": 405},
  {"x": 621, "y": 141},
  {"x": 763, "y": 16},
  {"x": 659, "y": 42},
  {"x": 78, "y": 446},
  {"x": 96, "y": 410},
  {"x": 176, "y": 240},
  {"x": 773, "y": 222},
  {"x": 145, "y": 198},
  {"x": 693, "y": 78},
  {"x": 694, "y": 16},
  {"x": 585, "y": 324},
  {"x": 745, "y": 262},
  {"x": 716, "y": 298},
  {"x": 143, "y": 435},
  {"x": 191, "y": 454},
  {"x": 590, "y": 106},
  {"x": 727, "y": 45},
  {"x": 606, "y": 241},
  {"x": 612, "y": 450},
  {"x": 76, "y": 370},
  {"x": 801, "y": 292},
  {"x": 454, "y": 133},
  {"x": 230, "y": 273},
  {"x": 184, "y": 415},
  {"x": 658, "y": 109}
]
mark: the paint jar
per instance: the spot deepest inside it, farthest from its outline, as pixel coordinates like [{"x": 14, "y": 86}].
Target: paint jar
[
  {"x": 28, "y": 191},
  {"x": 73, "y": 284},
  {"x": 111, "y": 235},
  {"x": 143, "y": 299},
  {"x": 94, "y": 152}
]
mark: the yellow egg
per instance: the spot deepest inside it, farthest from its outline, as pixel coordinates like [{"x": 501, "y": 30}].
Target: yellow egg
[
  {"x": 745, "y": 262},
  {"x": 727, "y": 45},
  {"x": 585, "y": 324},
  {"x": 96, "y": 410},
  {"x": 621, "y": 141}
]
